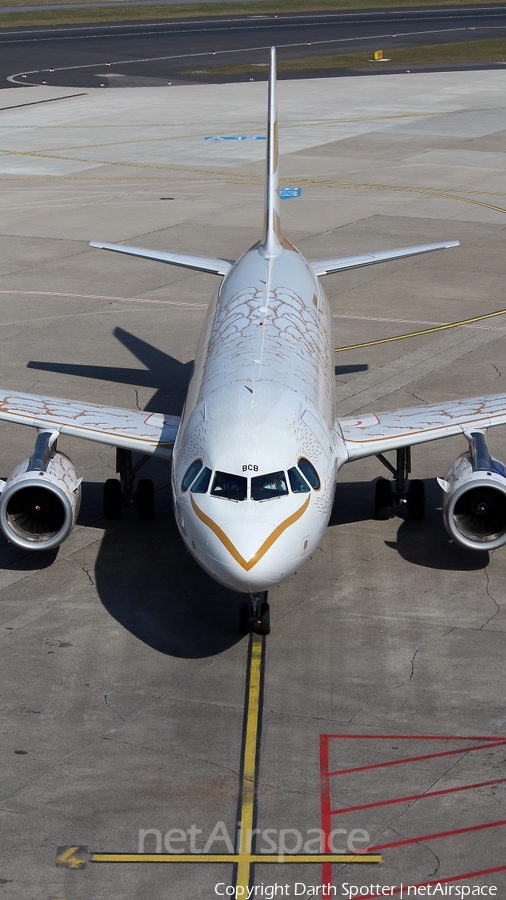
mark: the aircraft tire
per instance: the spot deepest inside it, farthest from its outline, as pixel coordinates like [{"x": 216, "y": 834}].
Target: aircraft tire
[
  {"x": 262, "y": 625},
  {"x": 113, "y": 499},
  {"x": 145, "y": 499},
  {"x": 382, "y": 499},
  {"x": 416, "y": 500},
  {"x": 265, "y": 619},
  {"x": 244, "y": 618}
]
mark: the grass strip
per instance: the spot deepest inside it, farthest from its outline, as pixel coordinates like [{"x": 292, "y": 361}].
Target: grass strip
[
  {"x": 463, "y": 52},
  {"x": 119, "y": 13}
]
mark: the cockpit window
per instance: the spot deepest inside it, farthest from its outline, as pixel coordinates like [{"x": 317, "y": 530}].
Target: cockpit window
[
  {"x": 230, "y": 487},
  {"x": 202, "y": 483},
  {"x": 297, "y": 483},
  {"x": 309, "y": 472},
  {"x": 266, "y": 487},
  {"x": 191, "y": 473}
]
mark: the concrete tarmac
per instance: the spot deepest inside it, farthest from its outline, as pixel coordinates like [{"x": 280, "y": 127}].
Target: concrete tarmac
[{"x": 123, "y": 674}]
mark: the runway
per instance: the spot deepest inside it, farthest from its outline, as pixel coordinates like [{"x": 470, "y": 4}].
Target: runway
[
  {"x": 153, "y": 53},
  {"x": 136, "y": 720}
]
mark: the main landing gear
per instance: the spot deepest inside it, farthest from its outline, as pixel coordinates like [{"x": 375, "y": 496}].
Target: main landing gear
[
  {"x": 118, "y": 494},
  {"x": 388, "y": 493},
  {"x": 255, "y": 615}
]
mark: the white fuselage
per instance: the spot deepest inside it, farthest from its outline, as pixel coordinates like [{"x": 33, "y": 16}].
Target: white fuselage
[{"x": 260, "y": 402}]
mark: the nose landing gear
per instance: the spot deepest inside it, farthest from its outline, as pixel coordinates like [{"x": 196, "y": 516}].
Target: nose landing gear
[{"x": 255, "y": 615}]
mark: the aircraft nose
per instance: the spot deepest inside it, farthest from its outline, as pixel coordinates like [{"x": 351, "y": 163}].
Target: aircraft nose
[{"x": 252, "y": 556}]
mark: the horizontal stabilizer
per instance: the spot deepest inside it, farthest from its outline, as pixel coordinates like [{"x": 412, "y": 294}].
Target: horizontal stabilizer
[
  {"x": 200, "y": 263},
  {"x": 340, "y": 263}
]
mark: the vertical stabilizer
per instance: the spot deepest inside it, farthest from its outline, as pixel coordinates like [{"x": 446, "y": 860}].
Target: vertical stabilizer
[{"x": 271, "y": 244}]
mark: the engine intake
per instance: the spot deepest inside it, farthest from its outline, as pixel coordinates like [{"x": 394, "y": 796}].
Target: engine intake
[
  {"x": 474, "y": 501},
  {"x": 40, "y": 500}
]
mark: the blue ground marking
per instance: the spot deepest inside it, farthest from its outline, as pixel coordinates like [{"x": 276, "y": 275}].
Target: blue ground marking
[
  {"x": 236, "y": 137},
  {"x": 289, "y": 192}
]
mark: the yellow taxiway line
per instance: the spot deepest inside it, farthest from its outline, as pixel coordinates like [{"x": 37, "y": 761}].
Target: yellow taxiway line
[
  {"x": 411, "y": 334},
  {"x": 247, "y": 859}
]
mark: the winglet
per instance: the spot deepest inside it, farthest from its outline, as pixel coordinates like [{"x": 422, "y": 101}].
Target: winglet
[{"x": 271, "y": 244}]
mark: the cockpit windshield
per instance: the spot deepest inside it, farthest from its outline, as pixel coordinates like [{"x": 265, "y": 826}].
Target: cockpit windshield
[
  {"x": 297, "y": 482},
  {"x": 230, "y": 487},
  {"x": 266, "y": 487},
  {"x": 201, "y": 485}
]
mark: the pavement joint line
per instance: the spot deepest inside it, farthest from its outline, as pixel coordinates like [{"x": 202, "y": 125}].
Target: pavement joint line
[
  {"x": 175, "y": 137},
  {"x": 252, "y": 179}
]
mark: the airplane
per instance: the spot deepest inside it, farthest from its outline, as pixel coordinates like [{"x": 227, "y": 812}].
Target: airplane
[{"x": 259, "y": 445}]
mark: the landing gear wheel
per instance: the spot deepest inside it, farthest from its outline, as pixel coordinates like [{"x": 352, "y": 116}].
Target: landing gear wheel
[
  {"x": 244, "y": 618},
  {"x": 265, "y": 619},
  {"x": 416, "y": 500},
  {"x": 262, "y": 622},
  {"x": 256, "y": 615},
  {"x": 145, "y": 499},
  {"x": 113, "y": 499},
  {"x": 382, "y": 499}
]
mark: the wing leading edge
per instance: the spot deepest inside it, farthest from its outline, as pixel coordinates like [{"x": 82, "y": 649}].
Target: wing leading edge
[
  {"x": 144, "y": 432},
  {"x": 371, "y": 433}
]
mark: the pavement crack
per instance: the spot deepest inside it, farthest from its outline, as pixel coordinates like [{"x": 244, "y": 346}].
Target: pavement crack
[
  {"x": 285, "y": 790},
  {"x": 417, "y": 397},
  {"x": 137, "y": 400},
  {"x": 499, "y": 373},
  {"x": 407, "y": 680},
  {"x": 105, "y": 461},
  {"x": 438, "y": 861},
  {"x": 173, "y": 754},
  {"x": 494, "y": 601},
  {"x": 115, "y": 711},
  {"x": 87, "y": 573}
]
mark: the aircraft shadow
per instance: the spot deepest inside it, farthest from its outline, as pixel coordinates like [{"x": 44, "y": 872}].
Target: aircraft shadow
[
  {"x": 144, "y": 576},
  {"x": 147, "y": 581},
  {"x": 424, "y": 543},
  {"x": 350, "y": 370},
  {"x": 166, "y": 375}
]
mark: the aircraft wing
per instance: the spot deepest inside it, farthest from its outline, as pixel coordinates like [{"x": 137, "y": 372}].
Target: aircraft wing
[
  {"x": 145, "y": 432},
  {"x": 201, "y": 263},
  {"x": 340, "y": 263},
  {"x": 372, "y": 433}
]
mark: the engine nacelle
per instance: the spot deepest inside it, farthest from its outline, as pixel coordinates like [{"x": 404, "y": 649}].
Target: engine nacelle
[
  {"x": 474, "y": 498},
  {"x": 40, "y": 501}
]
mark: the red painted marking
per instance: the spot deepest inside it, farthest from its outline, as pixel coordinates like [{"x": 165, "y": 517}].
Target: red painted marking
[
  {"x": 325, "y": 804},
  {"x": 465, "y": 877},
  {"x": 432, "y": 837},
  {"x": 103, "y": 297},
  {"x": 325, "y": 788},
  {"x": 454, "y": 790},
  {"x": 411, "y": 737},
  {"x": 484, "y": 742},
  {"x": 409, "y": 759}
]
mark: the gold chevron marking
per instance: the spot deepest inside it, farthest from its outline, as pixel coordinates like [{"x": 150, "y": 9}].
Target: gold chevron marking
[{"x": 267, "y": 544}]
